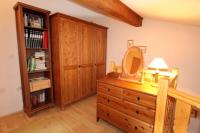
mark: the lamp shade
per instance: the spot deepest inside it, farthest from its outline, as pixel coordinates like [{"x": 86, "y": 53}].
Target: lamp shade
[{"x": 158, "y": 63}]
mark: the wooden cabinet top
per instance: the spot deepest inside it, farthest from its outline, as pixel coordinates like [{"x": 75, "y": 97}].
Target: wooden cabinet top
[
  {"x": 77, "y": 20},
  {"x": 143, "y": 87}
]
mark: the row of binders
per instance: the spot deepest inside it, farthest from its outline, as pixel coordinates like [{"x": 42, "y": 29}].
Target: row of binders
[{"x": 36, "y": 39}]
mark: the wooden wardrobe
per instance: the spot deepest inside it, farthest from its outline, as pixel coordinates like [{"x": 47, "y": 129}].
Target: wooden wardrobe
[{"x": 79, "y": 57}]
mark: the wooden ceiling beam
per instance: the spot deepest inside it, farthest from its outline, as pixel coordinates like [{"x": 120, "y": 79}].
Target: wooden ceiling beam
[{"x": 113, "y": 8}]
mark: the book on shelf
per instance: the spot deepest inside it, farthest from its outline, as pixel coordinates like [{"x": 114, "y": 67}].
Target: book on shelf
[
  {"x": 37, "y": 62},
  {"x": 38, "y": 98},
  {"x": 45, "y": 39},
  {"x": 33, "y": 20},
  {"x": 36, "y": 39}
]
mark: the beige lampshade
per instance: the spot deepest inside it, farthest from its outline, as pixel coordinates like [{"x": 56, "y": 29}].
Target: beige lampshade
[{"x": 158, "y": 63}]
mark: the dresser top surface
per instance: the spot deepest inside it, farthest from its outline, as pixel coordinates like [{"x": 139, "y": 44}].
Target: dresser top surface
[{"x": 140, "y": 87}]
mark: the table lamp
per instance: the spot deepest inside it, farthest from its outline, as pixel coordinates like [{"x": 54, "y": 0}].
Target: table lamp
[{"x": 158, "y": 64}]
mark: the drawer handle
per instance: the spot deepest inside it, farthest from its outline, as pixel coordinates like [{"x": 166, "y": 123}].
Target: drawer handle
[
  {"x": 136, "y": 128},
  {"x": 138, "y": 98},
  {"x": 108, "y": 100},
  {"x": 137, "y": 112}
]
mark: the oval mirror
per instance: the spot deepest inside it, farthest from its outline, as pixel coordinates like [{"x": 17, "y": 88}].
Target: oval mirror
[{"x": 133, "y": 63}]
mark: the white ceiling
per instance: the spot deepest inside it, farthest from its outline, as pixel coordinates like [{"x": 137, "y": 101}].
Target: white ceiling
[{"x": 180, "y": 11}]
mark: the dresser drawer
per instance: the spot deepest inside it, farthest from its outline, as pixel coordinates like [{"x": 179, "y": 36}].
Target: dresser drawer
[
  {"x": 137, "y": 126},
  {"x": 110, "y": 101},
  {"x": 139, "y": 98},
  {"x": 140, "y": 112},
  {"x": 111, "y": 116},
  {"x": 110, "y": 90}
]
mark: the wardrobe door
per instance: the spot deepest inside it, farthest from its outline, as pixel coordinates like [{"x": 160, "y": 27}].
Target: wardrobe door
[
  {"x": 100, "y": 45},
  {"x": 71, "y": 90},
  {"x": 86, "y": 69},
  {"x": 86, "y": 79},
  {"x": 71, "y": 39},
  {"x": 100, "y": 53}
]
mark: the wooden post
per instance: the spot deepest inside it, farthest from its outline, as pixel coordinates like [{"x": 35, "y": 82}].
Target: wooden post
[
  {"x": 182, "y": 117},
  {"x": 161, "y": 106},
  {"x": 113, "y": 8}
]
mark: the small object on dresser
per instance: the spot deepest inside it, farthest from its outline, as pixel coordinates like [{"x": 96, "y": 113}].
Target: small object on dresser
[{"x": 113, "y": 75}]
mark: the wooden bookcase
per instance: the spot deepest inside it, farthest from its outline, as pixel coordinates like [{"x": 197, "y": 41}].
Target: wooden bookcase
[{"x": 34, "y": 48}]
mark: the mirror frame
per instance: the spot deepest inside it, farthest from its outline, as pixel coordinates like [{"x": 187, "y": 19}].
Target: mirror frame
[{"x": 137, "y": 75}]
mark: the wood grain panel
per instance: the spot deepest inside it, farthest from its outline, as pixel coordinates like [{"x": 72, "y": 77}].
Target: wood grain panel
[
  {"x": 78, "y": 44},
  {"x": 113, "y": 8},
  {"x": 161, "y": 106},
  {"x": 100, "y": 45},
  {"x": 86, "y": 79},
  {"x": 110, "y": 90},
  {"x": 140, "y": 98},
  {"x": 113, "y": 102},
  {"x": 56, "y": 60},
  {"x": 100, "y": 71},
  {"x": 87, "y": 47},
  {"x": 137, "y": 126},
  {"x": 182, "y": 115},
  {"x": 112, "y": 116},
  {"x": 70, "y": 92},
  {"x": 71, "y": 39},
  {"x": 140, "y": 112}
]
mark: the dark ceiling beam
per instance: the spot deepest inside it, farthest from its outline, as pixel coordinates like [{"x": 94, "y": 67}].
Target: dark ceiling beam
[{"x": 113, "y": 8}]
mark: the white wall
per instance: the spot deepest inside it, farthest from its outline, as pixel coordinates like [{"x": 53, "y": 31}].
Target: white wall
[{"x": 177, "y": 44}]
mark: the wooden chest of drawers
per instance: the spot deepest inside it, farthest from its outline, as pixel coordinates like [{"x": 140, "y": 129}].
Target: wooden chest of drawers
[{"x": 129, "y": 106}]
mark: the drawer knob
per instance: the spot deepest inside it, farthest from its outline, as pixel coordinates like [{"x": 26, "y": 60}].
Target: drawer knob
[
  {"x": 108, "y": 100},
  {"x": 108, "y": 89},
  {"x": 108, "y": 114},
  {"x": 137, "y": 112},
  {"x": 138, "y": 98},
  {"x": 136, "y": 128}
]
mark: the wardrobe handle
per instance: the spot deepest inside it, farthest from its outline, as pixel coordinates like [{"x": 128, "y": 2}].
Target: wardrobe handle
[
  {"x": 136, "y": 128},
  {"x": 138, "y": 98},
  {"x": 137, "y": 112},
  {"x": 108, "y": 100}
]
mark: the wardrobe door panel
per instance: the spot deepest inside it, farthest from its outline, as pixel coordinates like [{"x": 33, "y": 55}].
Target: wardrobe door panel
[
  {"x": 87, "y": 47},
  {"x": 71, "y": 91},
  {"x": 100, "y": 46},
  {"x": 100, "y": 50},
  {"x": 100, "y": 71},
  {"x": 85, "y": 80},
  {"x": 71, "y": 39}
]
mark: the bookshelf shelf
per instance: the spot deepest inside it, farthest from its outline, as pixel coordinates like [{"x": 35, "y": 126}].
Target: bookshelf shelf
[
  {"x": 34, "y": 53},
  {"x": 40, "y": 90},
  {"x": 34, "y": 28},
  {"x": 37, "y": 49},
  {"x": 39, "y": 71},
  {"x": 40, "y": 107}
]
